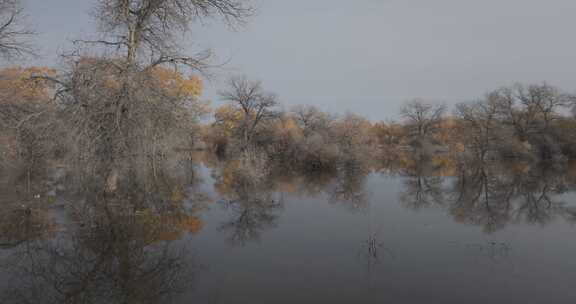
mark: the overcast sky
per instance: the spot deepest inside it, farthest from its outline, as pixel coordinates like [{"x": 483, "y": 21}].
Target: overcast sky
[{"x": 368, "y": 56}]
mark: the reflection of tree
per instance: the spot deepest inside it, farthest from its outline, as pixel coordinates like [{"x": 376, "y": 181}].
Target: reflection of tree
[
  {"x": 252, "y": 214},
  {"x": 304, "y": 184},
  {"x": 487, "y": 194},
  {"x": 537, "y": 189},
  {"x": 349, "y": 188},
  {"x": 480, "y": 197},
  {"x": 492, "y": 195},
  {"x": 107, "y": 255},
  {"x": 248, "y": 195},
  {"x": 20, "y": 225},
  {"x": 422, "y": 186}
]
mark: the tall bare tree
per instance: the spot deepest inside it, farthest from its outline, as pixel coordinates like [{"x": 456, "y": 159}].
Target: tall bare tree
[
  {"x": 542, "y": 101},
  {"x": 310, "y": 119},
  {"x": 254, "y": 103},
  {"x": 152, "y": 27},
  {"x": 423, "y": 118},
  {"x": 479, "y": 124},
  {"x": 116, "y": 106}
]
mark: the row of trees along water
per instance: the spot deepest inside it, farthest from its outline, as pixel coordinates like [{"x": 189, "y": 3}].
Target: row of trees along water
[{"x": 123, "y": 104}]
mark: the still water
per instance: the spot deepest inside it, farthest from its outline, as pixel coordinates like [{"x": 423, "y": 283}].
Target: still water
[{"x": 483, "y": 235}]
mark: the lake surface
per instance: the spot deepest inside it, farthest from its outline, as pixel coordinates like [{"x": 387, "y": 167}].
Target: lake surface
[{"x": 378, "y": 236}]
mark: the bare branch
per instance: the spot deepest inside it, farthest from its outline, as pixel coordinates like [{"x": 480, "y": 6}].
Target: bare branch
[{"x": 13, "y": 34}]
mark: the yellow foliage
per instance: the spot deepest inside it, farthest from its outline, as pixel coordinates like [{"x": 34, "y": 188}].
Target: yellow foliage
[
  {"x": 17, "y": 85},
  {"x": 287, "y": 130},
  {"x": 176, "y": 84},
  {"x": 228, "y": 118}
]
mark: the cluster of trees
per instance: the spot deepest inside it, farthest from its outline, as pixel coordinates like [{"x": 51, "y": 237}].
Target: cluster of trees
[
  {"x": 302, "y": 139},
  {"x": 520, "y": 122},
  {"x": 127, "y": 109},
  {"x": 123, "y": 105}
]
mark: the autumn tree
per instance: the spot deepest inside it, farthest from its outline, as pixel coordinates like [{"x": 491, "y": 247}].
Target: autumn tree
[
  {"x": 478, "y": 124},
  {"x": 255, "y": 104},
  {"x": 134, "y": 101},
  {"x": 389, "y": 134},
  {"x": 310, "y": 119},
  {"x": 422, "y": 118},
  {"x": 122, "y": 119},
  {"x": 533, "y": 112},
  {"x": 26, "y": 112},
  {"x": 353, "y": 134},
  {"x": 21, "y": 95},
  {"x": 228, "y": 119},
  {"x": 529, "y": 109},
  {"x": 542, "y": 101}
]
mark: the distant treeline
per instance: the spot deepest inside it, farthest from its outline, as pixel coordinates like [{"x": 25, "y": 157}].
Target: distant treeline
[{"x": 521, "y": 122}]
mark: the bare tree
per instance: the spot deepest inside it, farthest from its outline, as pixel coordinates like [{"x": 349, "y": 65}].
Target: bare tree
[
  {"x": 479, "y": 122},
  {"x": 531, "y": 108},
  {"x": 311, "y": 119},
  {"x": 13, "y": 33},
  {"x": 510, "y": 111},
  {"x": 254, "y": 103},
  {"x": 531, "y": 111},
  {"x": 151, "y": 27},
  {"x": 423, "y": 118},
  {"x": 542, "y": 101},
  {"x": 117, "y": 110}
]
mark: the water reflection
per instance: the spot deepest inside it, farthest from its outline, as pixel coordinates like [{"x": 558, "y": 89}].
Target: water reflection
[
  {"x": 104, "y": 256},
  {"x": 133, "y": 244},
  {"x": 251, "y": 214},
  {"x": 251, "y": 204},
  {"x": 489, "y": 195},
  {"x": 349, "y": 188},
  {"x": 422, "y": 184},
  {"x": 493, "y": 197},
  {"x": 118, "y": 246}
]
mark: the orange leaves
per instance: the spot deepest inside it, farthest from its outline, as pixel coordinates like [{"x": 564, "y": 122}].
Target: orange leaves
[
  {"x": 174, "y": 85},
  {"x": 177, "y": 85},
  {"x": 286, "y": 131},
  {"x": 228, "y": 118},
  {"x": 18, "y": 86},
  {"x": 192, "y": 224}
]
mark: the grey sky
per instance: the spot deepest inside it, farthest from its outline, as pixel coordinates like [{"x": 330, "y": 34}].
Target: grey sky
[{"x": 367, "y": 56}]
